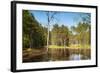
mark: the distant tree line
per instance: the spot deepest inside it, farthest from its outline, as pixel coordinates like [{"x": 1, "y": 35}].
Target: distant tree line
[
  {"x": 82, "y": 33},
  {"x": 60, "y": 35}
]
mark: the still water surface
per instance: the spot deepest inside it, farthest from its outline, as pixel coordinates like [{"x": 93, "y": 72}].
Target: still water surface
[{"x": 59, "y": 55}]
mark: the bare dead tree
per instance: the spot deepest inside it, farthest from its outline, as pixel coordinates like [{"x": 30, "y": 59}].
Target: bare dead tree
[{"x": 50, "y": 17}]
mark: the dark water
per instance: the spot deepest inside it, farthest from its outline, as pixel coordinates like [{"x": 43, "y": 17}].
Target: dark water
[{"x": 61, "y": 55}]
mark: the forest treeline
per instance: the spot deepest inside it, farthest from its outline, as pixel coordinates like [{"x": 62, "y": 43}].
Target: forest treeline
[{"x": 35, "y": 35}]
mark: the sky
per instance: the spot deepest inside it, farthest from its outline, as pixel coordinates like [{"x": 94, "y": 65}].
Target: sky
[{"x": 61, "y": 18}]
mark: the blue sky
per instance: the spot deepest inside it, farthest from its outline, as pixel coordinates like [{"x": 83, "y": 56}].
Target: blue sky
[{"x": 66, "y": 18}]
